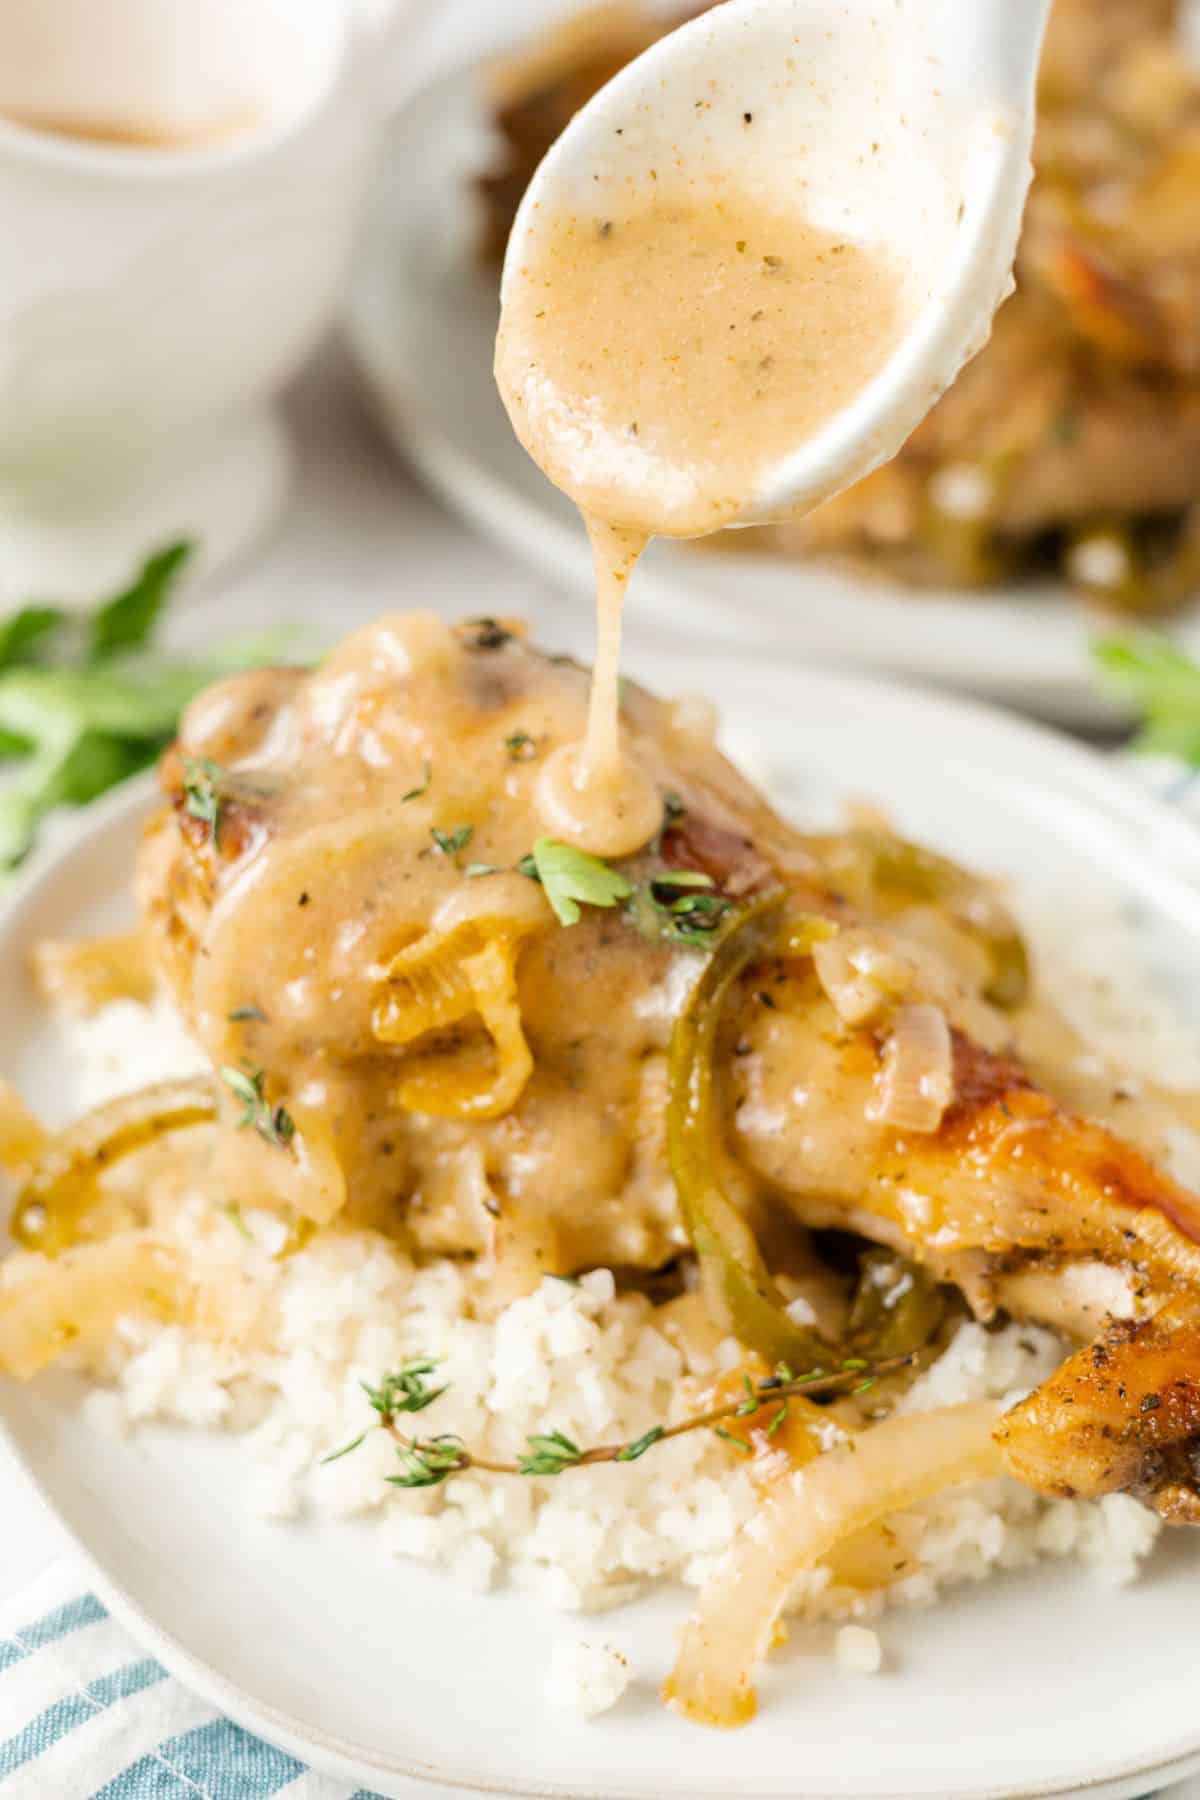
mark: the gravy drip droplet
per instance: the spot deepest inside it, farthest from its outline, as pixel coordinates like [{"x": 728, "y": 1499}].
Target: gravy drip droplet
[{"x": 593, "y": 793}]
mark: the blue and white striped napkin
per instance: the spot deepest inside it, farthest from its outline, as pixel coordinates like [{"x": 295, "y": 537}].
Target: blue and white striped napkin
[{"x": 84, "y": 1715}]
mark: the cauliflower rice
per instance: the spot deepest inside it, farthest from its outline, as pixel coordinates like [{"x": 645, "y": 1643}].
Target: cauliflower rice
[{"x": 576, "y": 1356}]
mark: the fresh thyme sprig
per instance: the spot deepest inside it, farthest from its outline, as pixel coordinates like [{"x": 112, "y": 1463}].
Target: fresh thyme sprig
[
  {"x": 449, "y": 843},
  {"x": 415, "y": 793},
  {"x": 272, "y": 1123},
  {"x": 679, "y": 906},
  {"x": 429, "y": 1461}
]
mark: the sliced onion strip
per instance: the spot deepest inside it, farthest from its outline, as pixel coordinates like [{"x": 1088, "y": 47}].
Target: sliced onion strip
[
  {"x": 22, "y": 1137},
  {"x": 861, "y": 974},
  {"x": 916, "y": 1083},
  {"x": 893, "y": 1465}
]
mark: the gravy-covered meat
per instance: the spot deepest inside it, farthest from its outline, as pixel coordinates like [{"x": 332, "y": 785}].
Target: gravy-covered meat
[{"x": 473, "y": 1031}]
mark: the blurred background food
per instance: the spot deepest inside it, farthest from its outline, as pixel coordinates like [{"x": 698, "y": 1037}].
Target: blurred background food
[{"x": 1072, "y": 443}]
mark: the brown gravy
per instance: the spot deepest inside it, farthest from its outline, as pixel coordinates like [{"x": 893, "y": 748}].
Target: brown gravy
[
  {"x": 683, "y": 348},
  {"x": 677, "y": 349}
]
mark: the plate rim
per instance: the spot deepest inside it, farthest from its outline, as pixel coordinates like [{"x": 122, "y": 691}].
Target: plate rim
[{"x": 1172, "y": 844}]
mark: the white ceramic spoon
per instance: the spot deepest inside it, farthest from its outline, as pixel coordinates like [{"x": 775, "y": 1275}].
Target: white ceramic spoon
[{"x": 902, "y": 124}]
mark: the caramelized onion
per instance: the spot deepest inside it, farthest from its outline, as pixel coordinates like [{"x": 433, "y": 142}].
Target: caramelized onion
[
  {"x": 916, "y": 1083},
  {"x": 22, "y": 1137},
  {"x": 442, "y": 980},
  {"x": 881, "y": 1471},
  {"x": 62, "y": 1184},
  {"x": 860, "y": 974},
  {"x": 74, "y": 1301}
]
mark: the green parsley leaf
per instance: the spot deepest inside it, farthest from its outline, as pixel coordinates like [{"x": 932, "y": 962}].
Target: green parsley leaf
[
  {"x": 520, "y": 746},
  {"x": 573, "y": 878},
  {"x": 83, "y": 703},
  {"x": 128, "y": 621},
  {"x": 27, "y": 634}
]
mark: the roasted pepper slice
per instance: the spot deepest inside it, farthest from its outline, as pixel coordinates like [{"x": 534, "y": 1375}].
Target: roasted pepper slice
[{"x": 734, "y": 1280}]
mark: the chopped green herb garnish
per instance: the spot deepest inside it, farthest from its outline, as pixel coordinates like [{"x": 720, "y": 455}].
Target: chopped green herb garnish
[
  {"x": 242, "y": 1015},
  {"x": 451, "y": 842},
  {"x": 428, "y": 1461},
  {"x": 406, "y": 1390},
  {"x": 474, "y": 870},
  {"x": 520, "y": 746},
  {"x": 639, "y": 1446},
  {"x": 336, "y": 1455},
  {"x": 273, "y": 1123},
  {"x": 678, "y": 905},
  {"x": 751, "y": 1403},
  {"x": 202, "y": 797},
  {"x": 573, "y": 878},
  {"x": 417, "y": 792},
  {"x": 549, "y": 1453},
  {"x": 730, "y": 1438}
]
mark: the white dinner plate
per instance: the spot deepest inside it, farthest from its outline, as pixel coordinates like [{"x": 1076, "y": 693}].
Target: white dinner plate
[
  {"x": 388, "y": 1673},
  {"x": 422, "y": 319}
]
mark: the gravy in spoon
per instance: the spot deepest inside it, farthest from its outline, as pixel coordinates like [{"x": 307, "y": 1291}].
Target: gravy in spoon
[{"x": 656, "y": 362}]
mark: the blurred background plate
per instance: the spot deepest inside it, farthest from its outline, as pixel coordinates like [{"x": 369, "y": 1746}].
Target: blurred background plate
[{"x": 422, "y": 318}]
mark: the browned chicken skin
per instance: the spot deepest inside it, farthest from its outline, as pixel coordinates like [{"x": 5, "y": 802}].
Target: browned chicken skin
[{"x": 346, "y": 801}]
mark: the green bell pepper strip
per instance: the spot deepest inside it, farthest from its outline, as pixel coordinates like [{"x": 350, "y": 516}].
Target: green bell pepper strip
[{"x": 734, "y": 1280}]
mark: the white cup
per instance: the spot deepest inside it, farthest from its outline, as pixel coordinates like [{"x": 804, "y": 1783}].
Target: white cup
[{"x": 179, "y": 194}]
